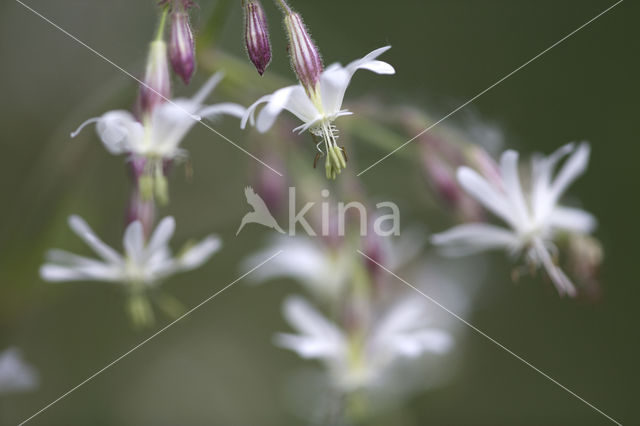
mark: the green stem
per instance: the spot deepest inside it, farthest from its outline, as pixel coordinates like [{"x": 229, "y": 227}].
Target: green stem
[{"x": 163, "y": 24}]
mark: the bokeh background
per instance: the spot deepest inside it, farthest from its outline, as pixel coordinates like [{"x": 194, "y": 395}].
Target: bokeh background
[{"x": 219, "y": 366}]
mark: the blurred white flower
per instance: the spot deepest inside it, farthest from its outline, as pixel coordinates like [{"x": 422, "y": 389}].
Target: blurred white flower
[
  {"x": 325, "y": 269},
  {"x": 15, "y": 374},
  {"x": 142, "y": 263},
  {"x": 160, "y": 133},
  {"x": 360, "y": 361},
  {"x": 317, "y": 108},
  {"x": 534, "y": 216}
]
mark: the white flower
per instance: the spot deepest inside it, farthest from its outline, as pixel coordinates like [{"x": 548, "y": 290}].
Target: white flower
[
  {"x": 318, "y": 108},
  {"x": 403, "y": 332},
  {"x": 325, "y": 269},
  {"x": 15, "y": 374},
  {"x": 533, "y": 215},
  {"x": 143, "y": 262},
  {"x": 160, "y": 133}
]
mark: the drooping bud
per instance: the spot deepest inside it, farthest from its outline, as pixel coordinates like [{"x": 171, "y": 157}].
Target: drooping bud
[
  {"x": 305, "y": 57},
  {"x": 256, "y": 35},
  {"x": 181, "y": 46},
  {"x": 157, "y": 82}
]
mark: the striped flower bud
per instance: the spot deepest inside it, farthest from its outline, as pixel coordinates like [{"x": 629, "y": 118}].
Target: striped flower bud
[
  {"x": 305, "y": 57},
  {"x": 256, "y": 35},
  {"x": 157, "y": 83},
  {"x": 181, "y": 46}
]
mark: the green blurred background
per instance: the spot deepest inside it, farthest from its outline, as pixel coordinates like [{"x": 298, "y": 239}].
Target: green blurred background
[{"x": 219, "y": 366}]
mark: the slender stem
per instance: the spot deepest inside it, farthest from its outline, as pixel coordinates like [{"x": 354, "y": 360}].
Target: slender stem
[{"x": 163, "y": 23}]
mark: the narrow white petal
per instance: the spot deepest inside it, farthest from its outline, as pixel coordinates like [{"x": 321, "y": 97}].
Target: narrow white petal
[
  {"x": 572, "y": 219},
  {"x": 558, "y": 277},
  {"x": 207, "y": 88},
  {"x": 200, "y": 253},
  {"x": 512, "y": 186},
  {"x": 59, "y": 273},
  {"x": 416, "y": 343},
  {"x": 82, "y": 229},
  {"x": 309, "y": 347},
  {"x": 83, "y": 125},
  {"x": 227, "y": 108},
  {"x": 249, "y": 115},
  {"x": 490, "y": 197},
  {"x": 475, "y": 237},
  {"x": 379, "y": 67},
  {"x": 133, "y": 242},
  {"x": 575, "y": 165},
  {"x": 162, "y": 234},
  {"x": 304, "y": 318}
]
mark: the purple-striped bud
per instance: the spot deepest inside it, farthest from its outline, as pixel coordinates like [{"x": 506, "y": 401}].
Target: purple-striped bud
[
  {"x": 181, "y": 46},
  {"x": 305, "y": 57},
  {"x": 256, "y": 35},
  {"x": 157, "y": 82}
]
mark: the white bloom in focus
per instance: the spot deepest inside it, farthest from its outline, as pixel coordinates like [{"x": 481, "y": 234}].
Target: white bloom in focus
[
  {"x": 160, "y": 133},
  {"x": 142, "y": 263},
  {"x": 317, "y": 108},
  {"x": 403, "y": 332},
  {"x": 532, "y": 213},
  {"x": 15, "y": 374}
]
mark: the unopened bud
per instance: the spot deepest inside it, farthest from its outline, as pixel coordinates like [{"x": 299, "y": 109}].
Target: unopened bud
[
  {"x": 181, "y": 46},
  {"x": 156, "y": 88},
  {"x": 256, "y": 35},
  {"x": 305, "y": 57}
]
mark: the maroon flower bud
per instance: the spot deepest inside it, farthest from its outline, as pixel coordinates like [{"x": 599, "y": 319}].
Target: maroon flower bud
[
  {"x": 181, "y": 46},
  {"x": 156, "y": 88},
  {"x": 256, "y": 35},
  {"x": 305, "y": 57}
]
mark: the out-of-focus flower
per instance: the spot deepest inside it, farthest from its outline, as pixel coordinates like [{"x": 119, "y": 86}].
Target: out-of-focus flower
[
  {"x": 157, "y": 138},
  {"x": 326, "y": 269},
  {"x": 15, "y": 374},
  {"x": 359, "y": 361},
  {"x": 160, "y": 135},
  {"x": 143, "y": 262},
  {"x": 157, "y": 81},
  {"x": 534, "y": 216},
  {"x": 181, "y": 45},
  {"x": 256, "y": 35},
  {"x": 318, "y": 111}
]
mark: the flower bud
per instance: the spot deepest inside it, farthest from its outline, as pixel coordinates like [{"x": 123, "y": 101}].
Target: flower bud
[
  {"x": 181, "y": 46},
  {"x": 157, "y": 83},
  {"x": 256, "y": 35},
  {"x": 305, "y": 57}
]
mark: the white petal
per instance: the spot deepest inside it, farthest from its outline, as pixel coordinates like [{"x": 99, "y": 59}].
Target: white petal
[
  {"x": 294, "y": 99},
  {"x": 207, "y": 88},
  {"x": 200, "y": 253},
  {"x": 82, "y": 229},
  {"x": 572, "y": 219},
  {"x": 249, "y": 114},
  {"x": 560, "y": 280},
  {"x": 474, "y": 237},
  {"x": 575, "y": 165},
  {"x": 369, "y": 59},
  {"x": 419, "y": 342},
  {"x": 98, "y": 272},
  {"x": 304, "y": 318},
  {"x": 133, "y": 242},
  {"x": 512, "y": 186},
  {"x": 227, "y": 108},
  {"x": 490, "y": 197},
  {"x": 305, "y": 346},
  {"x": 162, "y": 234},
  {"x": 119, "y": 131},
  {"x": 15, "y": 374}
]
